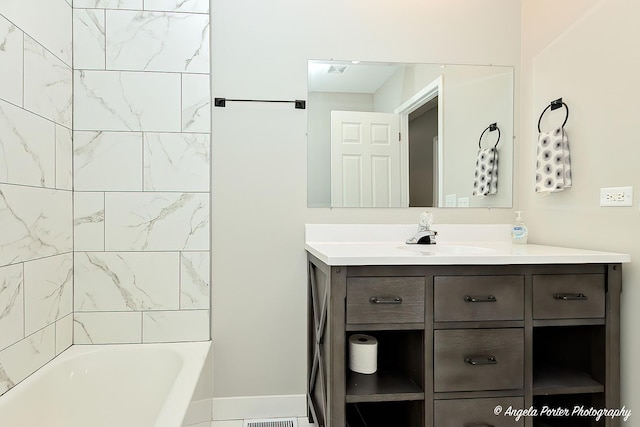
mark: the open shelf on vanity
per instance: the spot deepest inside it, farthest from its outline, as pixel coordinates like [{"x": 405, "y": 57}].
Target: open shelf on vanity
[
  {"x": 385, "y": 385},
  {"x": 568, "y": 360},
  {"x": 569, "y": 403},
  {"x": 400, "y": 374},
  {"x": 388, "y": 414},
  {"x": 551, "y": 380}
]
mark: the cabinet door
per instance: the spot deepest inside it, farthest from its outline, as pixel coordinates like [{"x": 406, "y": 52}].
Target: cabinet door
[
  {"x": 385, "y": 300},
  {"x": 478, "y": 359},
  {"x": 570, "y": 296},
  {"x": 478, "y": 298},
  {"x": 477, "y": 412}
]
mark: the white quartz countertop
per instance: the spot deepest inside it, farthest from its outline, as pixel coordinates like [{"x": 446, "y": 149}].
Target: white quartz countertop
[{"x": 461, "y": 244}]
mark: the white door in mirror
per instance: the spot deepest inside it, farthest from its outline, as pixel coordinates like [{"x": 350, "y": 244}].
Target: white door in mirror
[{"x": 365, "y": 159}]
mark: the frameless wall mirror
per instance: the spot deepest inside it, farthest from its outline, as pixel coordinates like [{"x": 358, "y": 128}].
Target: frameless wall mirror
[{"x": 406, "y": 135}]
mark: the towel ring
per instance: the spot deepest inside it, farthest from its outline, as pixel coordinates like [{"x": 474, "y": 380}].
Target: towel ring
[
  {"x": 554, "y": 106},
  {"x": 490, "y": 128}
]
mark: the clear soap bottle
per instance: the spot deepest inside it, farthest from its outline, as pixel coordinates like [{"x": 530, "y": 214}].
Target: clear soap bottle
[{"x": 519, "y": 231}]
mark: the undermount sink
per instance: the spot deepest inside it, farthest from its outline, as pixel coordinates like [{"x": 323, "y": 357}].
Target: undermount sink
[{"x": 446, "y": 249}]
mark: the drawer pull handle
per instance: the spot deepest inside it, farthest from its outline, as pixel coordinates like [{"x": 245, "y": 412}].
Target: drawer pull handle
[
  {"x": 570, "y": 297},
  {"x": 488, "y": 298},
  {"x": 480, "y": 360},
  {"x": 385, "y": 300}
]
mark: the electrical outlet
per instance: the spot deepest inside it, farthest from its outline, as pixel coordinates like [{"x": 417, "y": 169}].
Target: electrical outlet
[
  {"x": 616, "y": 196},
  {"x": 450, "y": 201},
  {"x": 463, "y": 202}
]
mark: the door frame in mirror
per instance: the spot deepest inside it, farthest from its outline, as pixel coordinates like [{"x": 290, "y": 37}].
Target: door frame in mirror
[{"x": 426, "y": 94}]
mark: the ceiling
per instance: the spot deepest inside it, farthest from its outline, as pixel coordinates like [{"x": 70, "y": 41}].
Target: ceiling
[{"x": 325, "y": 76}]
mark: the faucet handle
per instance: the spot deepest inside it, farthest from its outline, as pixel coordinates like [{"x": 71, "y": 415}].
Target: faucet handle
[{"x": 426, "y": 218}]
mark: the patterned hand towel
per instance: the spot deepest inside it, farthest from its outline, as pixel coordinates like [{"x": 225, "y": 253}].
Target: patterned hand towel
[
  {"x": 553, "y": 164},
  {"x": 485, "y": 182}
]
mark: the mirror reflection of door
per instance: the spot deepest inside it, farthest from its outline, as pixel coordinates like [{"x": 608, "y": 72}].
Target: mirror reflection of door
[
  {"x": 476, "y": 95},
  {"x": 365, "y": 159},
  {"x": 423, "y": 155}
]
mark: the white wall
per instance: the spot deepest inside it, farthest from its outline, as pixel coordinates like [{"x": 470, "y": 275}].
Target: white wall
[
  {"x": 471, "y": 105},
  {"x": 586, "y": 52},
  {"x": 260, "y": 50}
]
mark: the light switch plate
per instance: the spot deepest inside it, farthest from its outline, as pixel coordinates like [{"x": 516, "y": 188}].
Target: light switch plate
[{"x": 616, "y": 196}]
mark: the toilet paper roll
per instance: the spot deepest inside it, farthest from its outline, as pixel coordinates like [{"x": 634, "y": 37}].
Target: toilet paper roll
[{"x": 363, "y": 354}]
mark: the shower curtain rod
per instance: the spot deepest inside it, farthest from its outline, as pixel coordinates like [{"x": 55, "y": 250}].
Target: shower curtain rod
[{"x": 299, "y": 104}]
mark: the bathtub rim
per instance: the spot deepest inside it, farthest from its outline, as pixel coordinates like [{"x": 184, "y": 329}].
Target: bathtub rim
[{"x": 175, "y": 405}]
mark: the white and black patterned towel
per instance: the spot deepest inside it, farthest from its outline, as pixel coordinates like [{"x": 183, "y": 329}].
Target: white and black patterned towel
[
  {"x": 553, "y": 162},
  {"x": 485, "y": 182}
]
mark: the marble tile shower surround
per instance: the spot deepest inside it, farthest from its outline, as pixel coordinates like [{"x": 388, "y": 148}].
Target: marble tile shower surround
[
  {"x": 36, "y": 199},
  {"x": 36, "y": 223},
  {"x": 141, "y": 230},
  {"x": 104, "y": 176},
  {"x": 157, "y": 41},
  {"x": 195, "y": 6},
  {"x": 48, "y": 88}
]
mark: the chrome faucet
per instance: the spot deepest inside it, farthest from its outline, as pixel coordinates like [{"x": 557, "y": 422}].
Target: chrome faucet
[{"x": 425, "y": 235}]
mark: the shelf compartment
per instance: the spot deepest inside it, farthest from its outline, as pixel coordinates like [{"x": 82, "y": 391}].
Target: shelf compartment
[
  {"x": 568, "y": 401},
  {"x": 383, "y": 386},
  {"x": 400, "y": 374},
  {"x": 390, "y": 414},
  {"x": 554, "y": 380},
  {"x": 568, "y": 360}
]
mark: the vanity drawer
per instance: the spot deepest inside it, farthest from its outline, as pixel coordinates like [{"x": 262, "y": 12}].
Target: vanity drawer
[
  {"x": 571, "y": 296},
  {"x": 478, "y": 359},
  {"x": 478, "y": 298},
  {"x": 385, "y": 300},
  {"x": 476, "y": 412}
]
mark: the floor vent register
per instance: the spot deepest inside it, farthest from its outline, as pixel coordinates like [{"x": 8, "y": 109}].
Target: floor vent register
[{"x": 272, "y": 422}]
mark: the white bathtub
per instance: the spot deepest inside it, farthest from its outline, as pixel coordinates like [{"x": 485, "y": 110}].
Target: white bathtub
[{"x": 120, "y": 385}]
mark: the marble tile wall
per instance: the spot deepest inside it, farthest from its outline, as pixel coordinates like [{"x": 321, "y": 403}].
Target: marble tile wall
[
  {"x": 141, "y": 153},
  {"x": 36, "y": 200},
  {"x": 104, "y": 176}
]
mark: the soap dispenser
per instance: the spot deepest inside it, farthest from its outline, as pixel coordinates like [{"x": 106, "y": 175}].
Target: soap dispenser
[{"x": 519, "y": 231}]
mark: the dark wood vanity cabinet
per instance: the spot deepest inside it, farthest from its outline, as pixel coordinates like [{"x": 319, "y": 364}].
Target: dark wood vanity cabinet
[{"x": 466, "y": 345}]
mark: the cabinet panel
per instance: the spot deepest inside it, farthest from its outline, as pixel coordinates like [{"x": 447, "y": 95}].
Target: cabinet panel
[
  {"x": 478, "y": 359},
  {"x": 571, "y": 296},
  {"x": 476, "y": 412},
  {"x": 478, "y": 298},
  {"x": 385, "y": 300}
]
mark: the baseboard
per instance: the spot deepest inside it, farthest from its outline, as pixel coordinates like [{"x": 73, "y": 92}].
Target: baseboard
[
  {"x": 240, "y": 408},
  {"x": 199, "y": 412}
]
